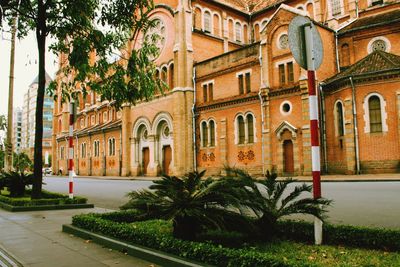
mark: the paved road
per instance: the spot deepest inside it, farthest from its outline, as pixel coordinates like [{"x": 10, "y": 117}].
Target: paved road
[{"x": 358, "y": 203}]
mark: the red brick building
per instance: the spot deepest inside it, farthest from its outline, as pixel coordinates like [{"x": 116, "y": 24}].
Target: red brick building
[{"x": 237, "y": 97}]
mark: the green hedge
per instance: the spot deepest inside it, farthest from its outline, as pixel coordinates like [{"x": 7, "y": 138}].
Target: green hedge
[
  {"x": 348, "y": 235},
  {"x": 148, "y": 234},
  {"x": 48, "y": 198}
]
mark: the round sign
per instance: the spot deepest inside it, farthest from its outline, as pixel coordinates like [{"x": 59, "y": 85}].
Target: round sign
[{"x": 298, "y": 42}]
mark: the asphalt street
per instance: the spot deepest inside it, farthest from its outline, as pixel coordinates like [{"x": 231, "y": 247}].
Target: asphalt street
[{"x": 357, "y": 203}]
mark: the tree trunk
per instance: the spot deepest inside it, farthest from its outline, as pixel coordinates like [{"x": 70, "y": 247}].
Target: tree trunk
[
  {"x": 10, "y": 141},
  {"x": 41, "y": 32}
]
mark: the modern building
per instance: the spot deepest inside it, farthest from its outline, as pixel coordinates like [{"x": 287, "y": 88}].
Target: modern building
[
  {"x": 28, "y": 119},
  {"x": 17, "y": 129},
  {"x": 237, "y": 97}
]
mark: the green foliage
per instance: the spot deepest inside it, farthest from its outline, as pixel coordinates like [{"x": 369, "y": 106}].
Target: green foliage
[
  {"x": 191, "y": 203},
  {"x": 49, "y": 198},
  {"x": 348, "y": 235},
  {"x": 3, "y": 123},
  {"x": 156, "y": 234},
  {"x": 269, "y": 203},
  {"x": 16, "y": 182},
  {"x": 22, "y": 162}
]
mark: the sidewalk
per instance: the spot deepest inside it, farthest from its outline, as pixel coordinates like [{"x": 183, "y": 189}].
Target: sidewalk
[{"x": 35, "y": 239}]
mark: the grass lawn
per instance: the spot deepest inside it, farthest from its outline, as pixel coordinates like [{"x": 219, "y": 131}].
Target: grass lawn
[{"x": 331, "y": 255}]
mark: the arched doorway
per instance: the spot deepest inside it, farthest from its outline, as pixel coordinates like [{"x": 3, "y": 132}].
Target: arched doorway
[
  {"x": 145, "y": 159},
  {"x": 288, "y": 157},
  {"x": 167, "y": 158}
]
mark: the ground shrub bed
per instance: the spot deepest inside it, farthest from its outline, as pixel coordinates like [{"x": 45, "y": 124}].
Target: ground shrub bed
[
  {"x": 48, "y": 198},
  {"x": 348, "y": 235},
  {"x": 157, "y": 234}
]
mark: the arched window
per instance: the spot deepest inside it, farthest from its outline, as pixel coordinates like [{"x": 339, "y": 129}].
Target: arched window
[
  {"x": 212, "y": 133},
  {"x": 207, "y": 21},
  {"x": 111, "y": 147},
  {"x": 340, "y": 120},
  {"x": 345, "y": 55},
  {"x": 83, "y": 150},
  {"x": 96, "y": 148},
  {"x": 164, "y": 74},
  {"x": 250, "y": 128},
  {"x": 375, "y": 117},
  {"x": 238, "y": 32},
  {"x": 204, "y": 134},
  {"x": 241, "y": 128}
]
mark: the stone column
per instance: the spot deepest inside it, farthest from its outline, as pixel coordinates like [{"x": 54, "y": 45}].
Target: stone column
[
  {"x": 349, "y": 136},
  {"x": 153, "y": 167},
  {"x": 223, "y": 142},
  {"x": 182, "y": 95},
  {"x": 126, "y": 144}
]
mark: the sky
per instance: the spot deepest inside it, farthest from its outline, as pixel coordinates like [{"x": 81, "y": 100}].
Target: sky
[{"x": 26, "y": 67}]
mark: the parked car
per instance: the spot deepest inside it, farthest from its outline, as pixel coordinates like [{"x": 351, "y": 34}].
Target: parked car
[{"x": 47, "y": 171}]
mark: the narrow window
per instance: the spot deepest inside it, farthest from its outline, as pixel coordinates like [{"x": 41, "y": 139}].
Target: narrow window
[
  {"x": 248, "y": 84},
  {"x": 238, "y": 31},
  {"x": 210, "y": 92},
  {"x": 109, "y": 147},
  {"x": 345, "y": 55},
  {"x": 241, "y": 130},
  {"x": 375, "y": 118},
  {"x": 339, "y": 115},
  {"x": 204, "y": 134},
  {"x": 241, "y": 89},
  {"x": 171, "y": 76},
  {"x": 207, "y": 22},
  {"x": 164, "y": 74},
  {"x": 212, "y": 133},
  {"x": 336, "y": 9},
  {"x": 205, "y": 92},
  {"x": 290, "y": 72},
  {"x": 282, "y": 78},
  {"x": 250, "y": 128}
]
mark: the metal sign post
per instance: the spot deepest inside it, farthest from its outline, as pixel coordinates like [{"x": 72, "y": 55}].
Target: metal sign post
[{"x": 306, "y": 46}]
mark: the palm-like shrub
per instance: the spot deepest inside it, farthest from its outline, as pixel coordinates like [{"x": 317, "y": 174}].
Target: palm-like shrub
[
  {"x": 270, "y": 203},
  {"x": 16, "y": 182},
  {"x": 193, "y": 204}
]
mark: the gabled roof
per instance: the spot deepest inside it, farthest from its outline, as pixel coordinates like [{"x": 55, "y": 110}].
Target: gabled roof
[
  {"x": 372, "y": 21},
  {"x": 249, "y": 6},
  {"x": 378, "y": 62}
]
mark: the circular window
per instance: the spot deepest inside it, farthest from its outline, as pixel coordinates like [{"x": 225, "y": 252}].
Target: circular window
[
  {"x": 157, "y": 34},
  {"x": 286, "y": 108},
  {"x": 378, "y": 45},
  {"x": 283, "y": 41}
]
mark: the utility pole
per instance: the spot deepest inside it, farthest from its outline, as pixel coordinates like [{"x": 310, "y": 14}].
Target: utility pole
[{"x": 9, "y": 144}]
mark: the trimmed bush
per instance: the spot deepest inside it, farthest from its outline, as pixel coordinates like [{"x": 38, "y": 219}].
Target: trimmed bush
[
  {"x": 49, "y": 198},
  {"x": 348, "y": 235},
  {"x": 148, "y": 234}
]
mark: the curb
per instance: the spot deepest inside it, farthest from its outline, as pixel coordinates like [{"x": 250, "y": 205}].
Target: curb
[
  {"x": 144, "y": 253},
  {"x": 44, "y": 207},
  {"x": 8, "y": 260}
]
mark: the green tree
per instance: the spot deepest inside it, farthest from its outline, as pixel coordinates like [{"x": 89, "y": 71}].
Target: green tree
[
  {"x": 270, "y": 201},
  {"x": 22, "y": 162},
  {"x": 191, "y": 203},
  {"x": 3, "y": 123},
  {"x": 81, "y": 27}
]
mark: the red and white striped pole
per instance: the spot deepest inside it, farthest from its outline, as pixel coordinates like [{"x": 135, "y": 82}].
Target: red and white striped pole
[
  {"x": 71, "y": 149},
  {"x": 313, "y": 109}
]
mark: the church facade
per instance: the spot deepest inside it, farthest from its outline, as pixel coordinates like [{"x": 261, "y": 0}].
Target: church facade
[{"x": 237, "y": 97}]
